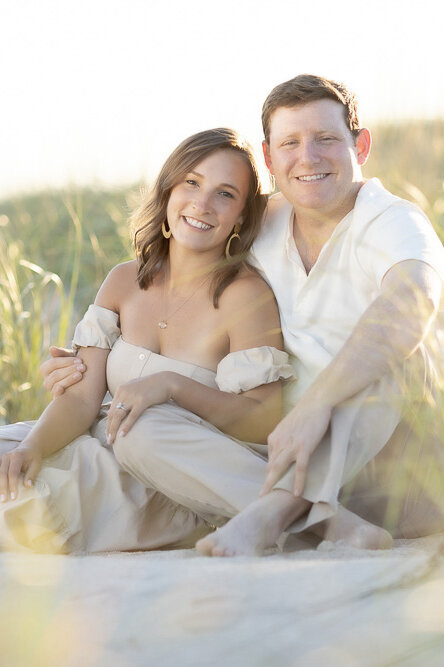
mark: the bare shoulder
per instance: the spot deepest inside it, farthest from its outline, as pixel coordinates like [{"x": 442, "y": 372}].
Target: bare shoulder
[
  {"x": 248, "y": 286},
  {"x": 249, "y": 308},
  {"x": 116, "y": 286}
]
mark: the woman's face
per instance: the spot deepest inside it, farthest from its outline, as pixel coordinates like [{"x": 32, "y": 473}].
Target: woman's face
[{"x": 204, "y": 207}]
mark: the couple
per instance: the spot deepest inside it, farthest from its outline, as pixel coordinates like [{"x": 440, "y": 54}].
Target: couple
[{"x": 187, "y": 339}]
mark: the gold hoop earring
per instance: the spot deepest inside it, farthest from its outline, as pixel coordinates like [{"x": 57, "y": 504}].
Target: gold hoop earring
[
  {"x": 166, "y": 233},
  {"x": 234, "y": 235}
]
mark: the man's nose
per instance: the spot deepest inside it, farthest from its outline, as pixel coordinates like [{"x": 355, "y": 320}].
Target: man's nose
[{"x": 308, "y": 152}]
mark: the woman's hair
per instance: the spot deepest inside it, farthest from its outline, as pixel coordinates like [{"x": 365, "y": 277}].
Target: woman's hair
[{"x": 151, "y": 246}]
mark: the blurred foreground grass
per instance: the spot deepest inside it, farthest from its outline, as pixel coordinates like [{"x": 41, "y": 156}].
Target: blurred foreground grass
[{"x": 57, "y": 246}]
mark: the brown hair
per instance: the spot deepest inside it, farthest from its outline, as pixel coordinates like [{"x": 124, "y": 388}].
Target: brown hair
[
  {"x": 309, "y": 88},
  {"x": 151, "y": 246}
]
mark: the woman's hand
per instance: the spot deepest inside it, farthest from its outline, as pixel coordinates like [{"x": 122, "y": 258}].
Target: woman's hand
[
  {"x": 22, "y": 459},
  {"x": 294, "y": 440},
  {"x": 134, "y": 397},
  {"x": 61, "y": 371}
]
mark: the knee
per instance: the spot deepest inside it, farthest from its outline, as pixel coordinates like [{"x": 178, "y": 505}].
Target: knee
[{"x": 142, "y": 445}]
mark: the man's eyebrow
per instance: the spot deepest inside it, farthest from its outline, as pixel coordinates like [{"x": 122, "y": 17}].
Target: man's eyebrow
[{"x": 221, "y": 185}]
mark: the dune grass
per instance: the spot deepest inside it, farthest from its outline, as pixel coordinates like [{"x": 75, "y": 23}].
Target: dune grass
[{"x": 57, "y": 246}]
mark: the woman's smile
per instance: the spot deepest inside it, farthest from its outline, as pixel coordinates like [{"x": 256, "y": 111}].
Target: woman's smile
[{"x": 196, "y": 224}]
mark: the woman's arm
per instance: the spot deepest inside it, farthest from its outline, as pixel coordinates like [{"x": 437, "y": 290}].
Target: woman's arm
[
  {"x": 65, "y": 418},
  {"x": 251, "y": 313},
  {"x": 68, "y": 415}
]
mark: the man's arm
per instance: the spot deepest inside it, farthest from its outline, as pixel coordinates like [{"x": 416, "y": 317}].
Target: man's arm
[
  {"x": 388, "y": 332},
  {"x": 62, "y": 370}
]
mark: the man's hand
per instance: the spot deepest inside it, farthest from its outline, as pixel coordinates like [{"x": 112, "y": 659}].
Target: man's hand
[
  {"x": 63, "y": 370},
  {"x": 21, "y": 459},
  {"x": 387, "y": 333},
  {"x": 294, "y": 440},
  {"x": 132, "y": 398}
]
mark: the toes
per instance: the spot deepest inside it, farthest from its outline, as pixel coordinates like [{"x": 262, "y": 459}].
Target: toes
[
  {"x": 220, "y": 551},
  {"x": 206, "y": 546}
]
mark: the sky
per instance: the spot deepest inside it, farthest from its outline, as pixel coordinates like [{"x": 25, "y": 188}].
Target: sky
[{"x": 100, "y": 91}]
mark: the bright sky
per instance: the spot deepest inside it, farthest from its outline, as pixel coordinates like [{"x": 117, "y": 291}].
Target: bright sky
[{"x": 100, "y": 91}]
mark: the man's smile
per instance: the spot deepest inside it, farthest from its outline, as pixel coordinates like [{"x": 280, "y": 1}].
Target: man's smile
[{"x": 307, "y": 178}]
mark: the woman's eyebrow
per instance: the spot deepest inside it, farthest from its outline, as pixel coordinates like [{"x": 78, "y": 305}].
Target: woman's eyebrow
[
  {"x": 229, "y": 185},
  {"x": 221, "y": 185}
]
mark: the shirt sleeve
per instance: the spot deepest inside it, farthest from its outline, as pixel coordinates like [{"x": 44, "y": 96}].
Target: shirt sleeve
[
  {"x": 402, "y": 232},
  {"x": 247, "y": 369},
  {"x": 98, "y": 328}
]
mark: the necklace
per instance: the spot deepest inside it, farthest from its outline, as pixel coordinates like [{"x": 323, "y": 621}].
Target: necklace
[{"x": 162, "y": 324}]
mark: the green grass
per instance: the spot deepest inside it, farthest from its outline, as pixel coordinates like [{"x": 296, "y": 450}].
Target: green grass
[{"x": 57, "y": 246}]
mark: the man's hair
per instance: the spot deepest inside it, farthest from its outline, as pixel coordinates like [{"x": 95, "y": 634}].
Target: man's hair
[{"x": 309, "y": 88}]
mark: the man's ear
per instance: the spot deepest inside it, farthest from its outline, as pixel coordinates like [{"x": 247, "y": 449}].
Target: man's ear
[
  {"x": 363, "y": 145},
  {"x": 267, "y": 158}
]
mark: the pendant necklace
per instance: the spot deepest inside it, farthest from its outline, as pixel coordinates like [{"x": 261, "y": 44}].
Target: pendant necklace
[{"x": 162, "y": 324}]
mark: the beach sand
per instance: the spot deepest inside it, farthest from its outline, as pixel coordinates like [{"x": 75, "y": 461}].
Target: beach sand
[{"x": 314, "y": 607}]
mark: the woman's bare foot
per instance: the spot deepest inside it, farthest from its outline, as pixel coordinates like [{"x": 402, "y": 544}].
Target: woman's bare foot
[
  {"x": 256, "y": 528},
  {"x": 351, "y": 530}
]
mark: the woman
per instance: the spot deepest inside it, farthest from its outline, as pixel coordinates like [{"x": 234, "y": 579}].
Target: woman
[{"x": 187, "y": 339}]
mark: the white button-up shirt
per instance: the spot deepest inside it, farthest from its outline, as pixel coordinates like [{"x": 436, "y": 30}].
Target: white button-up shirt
[{"x": 319, "y": 310}]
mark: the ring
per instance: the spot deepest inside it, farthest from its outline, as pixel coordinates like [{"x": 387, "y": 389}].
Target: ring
[{"x": 122, "y": 406}]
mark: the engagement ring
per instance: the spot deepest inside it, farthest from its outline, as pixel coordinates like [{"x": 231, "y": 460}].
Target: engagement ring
[{"x": 122, "y": 406}]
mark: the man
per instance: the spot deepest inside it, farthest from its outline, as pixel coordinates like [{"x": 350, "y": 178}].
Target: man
[{"x": 358, "y": 275}]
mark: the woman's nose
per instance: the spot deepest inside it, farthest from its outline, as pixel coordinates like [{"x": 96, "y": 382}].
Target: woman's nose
[{"x": 202, "y": 202}]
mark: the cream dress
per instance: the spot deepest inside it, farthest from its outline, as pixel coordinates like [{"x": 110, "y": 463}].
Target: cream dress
[{"x": 166, "y": 484}]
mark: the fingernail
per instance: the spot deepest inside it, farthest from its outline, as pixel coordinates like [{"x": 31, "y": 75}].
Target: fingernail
[
  {"x": 28, "y": 482},
  {"x": 122, "y": 434},
  {"x": 77, "y": 360},
  {"x": 3, "y": 498},
  {"x": 76, "y": 376},
  {"x": 108, "y": 439},
  {"x": 13, "y": 496}
]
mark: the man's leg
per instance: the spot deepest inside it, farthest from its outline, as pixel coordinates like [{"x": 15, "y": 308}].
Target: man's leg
[{"x": 402, "y": 489}]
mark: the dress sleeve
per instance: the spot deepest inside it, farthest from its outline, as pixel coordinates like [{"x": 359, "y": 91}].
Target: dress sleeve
[
  {"x": 247, "y": 369},
  {"x": 97, "y": 329}
]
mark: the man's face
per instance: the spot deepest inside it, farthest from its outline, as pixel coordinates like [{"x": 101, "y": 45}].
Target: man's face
[{"x": 314, "y": 157}]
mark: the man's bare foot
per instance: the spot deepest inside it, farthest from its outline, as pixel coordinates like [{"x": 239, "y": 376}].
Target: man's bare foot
[
  {"x": 351, "y": 530},
  {"x": 256, "y": 528}
]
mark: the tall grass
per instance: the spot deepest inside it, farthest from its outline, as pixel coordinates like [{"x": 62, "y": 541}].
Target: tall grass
[
  {"x": 56, "y": 248},
  {"x": 35, "y": 310},
  {"x": 409, "y": 160}
]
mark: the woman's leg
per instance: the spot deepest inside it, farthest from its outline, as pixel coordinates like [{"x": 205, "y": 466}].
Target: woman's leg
[
  {"x": 188, "y": 460},
  {"x": 83, "y": 501}
]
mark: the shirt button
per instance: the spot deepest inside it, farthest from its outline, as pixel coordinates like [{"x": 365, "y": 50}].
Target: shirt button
[{"x": 141, "y": 357}]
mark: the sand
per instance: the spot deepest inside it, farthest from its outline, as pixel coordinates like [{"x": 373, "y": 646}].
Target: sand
[{"x": 316, "y": 607}]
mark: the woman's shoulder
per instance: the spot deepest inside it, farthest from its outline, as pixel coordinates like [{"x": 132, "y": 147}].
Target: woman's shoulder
[
  {"x": 247, "y": 285},
  {"x": 115, "y": 287},
  {"x": 250, "y": 311}
]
